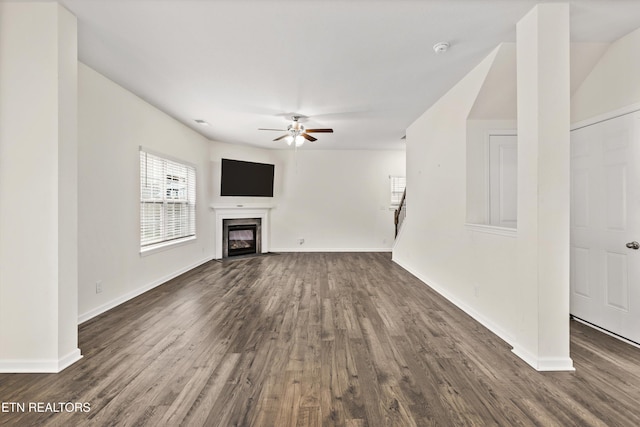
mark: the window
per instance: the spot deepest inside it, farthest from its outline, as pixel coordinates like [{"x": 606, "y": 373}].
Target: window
[
  {"x": 167, "y": 200},
  {"x": 398, "y": 184}
]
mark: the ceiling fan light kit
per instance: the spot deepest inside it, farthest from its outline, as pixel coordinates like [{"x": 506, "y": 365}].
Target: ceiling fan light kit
[
  {"x": 298, "y": 139},
  {"x": 297, "y": 132}
]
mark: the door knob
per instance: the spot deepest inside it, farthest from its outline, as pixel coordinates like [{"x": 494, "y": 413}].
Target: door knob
[{"x": 633, "y": 245}]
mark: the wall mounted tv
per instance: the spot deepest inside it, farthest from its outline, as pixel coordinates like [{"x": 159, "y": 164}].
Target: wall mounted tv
[{"x": 240, "y": 178}]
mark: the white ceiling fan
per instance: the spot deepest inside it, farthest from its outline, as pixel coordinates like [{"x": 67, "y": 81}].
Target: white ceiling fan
[{"x": 296, "y": 132}]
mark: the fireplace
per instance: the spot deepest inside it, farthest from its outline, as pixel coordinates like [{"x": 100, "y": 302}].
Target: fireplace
[
  {"x": 241, "y": 236},
  {"x": 248, "y": 213}
]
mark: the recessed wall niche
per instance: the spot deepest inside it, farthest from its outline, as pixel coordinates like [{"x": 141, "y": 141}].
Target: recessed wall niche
[{"x": 491, "y": 157}]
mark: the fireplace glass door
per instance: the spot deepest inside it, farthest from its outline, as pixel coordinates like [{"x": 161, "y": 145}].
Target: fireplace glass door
[{"x": 242, "y": 239}]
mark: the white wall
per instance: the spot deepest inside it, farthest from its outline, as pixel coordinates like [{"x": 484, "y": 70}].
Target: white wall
[
  {"x": 543, "y": 187},
  {"x": 38, "y": 199},
  {"x": 516, "y": 285},
  {"x": 474, "y": 270},
  {"x": 494, "y": 110},
  {"x": 336, "y": 200},
  {"x": 113, "y": 123},
  {"x": 497, "y": 98},
  {"x": 613, "y": 83}
]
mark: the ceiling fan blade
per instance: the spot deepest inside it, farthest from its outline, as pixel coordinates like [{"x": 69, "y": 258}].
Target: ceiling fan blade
[
  {"x": 308, "y": 137},
  {"x": 280, "y": 130},
  {"x": 280, "y": 137},
  {"x": 319, "y": 130}
]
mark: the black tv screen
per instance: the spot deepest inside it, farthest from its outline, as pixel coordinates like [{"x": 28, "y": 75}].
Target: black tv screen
[{"x": 240, "y": 178}]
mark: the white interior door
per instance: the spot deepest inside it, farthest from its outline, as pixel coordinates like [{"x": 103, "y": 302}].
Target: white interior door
[
  {"x": 503, "y": 180},
  {"x": 605, "y": 217}
]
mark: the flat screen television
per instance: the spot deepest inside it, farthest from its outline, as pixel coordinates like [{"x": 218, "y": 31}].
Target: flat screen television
[{"x": 240, "y": 178}]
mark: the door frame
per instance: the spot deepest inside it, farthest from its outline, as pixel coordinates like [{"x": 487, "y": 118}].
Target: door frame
[
  {"x": 632, "y": 108},
  {"x": 629, "y": 109}
]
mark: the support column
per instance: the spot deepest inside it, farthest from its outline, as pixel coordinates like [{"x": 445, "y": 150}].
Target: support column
[
  {"x": 38, "y": 188},
  {"x": 543, "y": 187}
]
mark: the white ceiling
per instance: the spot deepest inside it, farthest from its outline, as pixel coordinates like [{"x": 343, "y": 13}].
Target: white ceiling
[{"x": 364, "y": 68}]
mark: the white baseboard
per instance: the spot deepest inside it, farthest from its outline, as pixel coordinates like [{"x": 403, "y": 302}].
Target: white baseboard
[
  {"x": 544, "y": 364},
  {"x": 69, "y": 359},
  {"x": 48, "y": 366},
  {"x": 301, "y": 249},
  {"x": 538, "y": 363},
  {"x": 136, "y": 292},
  {"x": 484, "y": 321}
]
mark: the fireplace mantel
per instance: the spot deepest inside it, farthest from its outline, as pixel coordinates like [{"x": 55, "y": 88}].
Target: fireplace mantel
[
  {"x": 240, "y": 206},
  {"x": 236, "y": 211}
]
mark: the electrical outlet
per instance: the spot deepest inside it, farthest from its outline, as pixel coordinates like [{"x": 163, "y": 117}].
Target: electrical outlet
[
  {"x": 476, "y": 291},
  {"x": 98, "y": 286}
]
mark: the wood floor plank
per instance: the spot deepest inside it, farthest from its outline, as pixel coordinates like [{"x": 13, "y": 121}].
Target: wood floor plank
[{"x": 318, "y": 339}]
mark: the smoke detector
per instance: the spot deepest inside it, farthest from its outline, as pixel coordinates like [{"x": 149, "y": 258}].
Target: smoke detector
[{"x": 441, "y": 47}]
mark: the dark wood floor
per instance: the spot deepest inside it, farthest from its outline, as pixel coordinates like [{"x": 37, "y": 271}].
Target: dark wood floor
[{"x": 319, "y": 339}]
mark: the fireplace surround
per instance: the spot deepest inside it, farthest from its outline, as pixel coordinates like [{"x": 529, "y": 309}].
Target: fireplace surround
[{"x": 243, "y": 211}]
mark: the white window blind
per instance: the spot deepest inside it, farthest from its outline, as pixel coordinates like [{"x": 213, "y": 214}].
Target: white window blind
[
  {"x": 398, "y": 184},
  {"x": 167, "y": 200}
]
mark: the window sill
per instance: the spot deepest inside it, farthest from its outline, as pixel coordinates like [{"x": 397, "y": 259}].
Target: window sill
[
  {"x": 492, "y": 229},
  {"x": 159, "y": 247}
]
